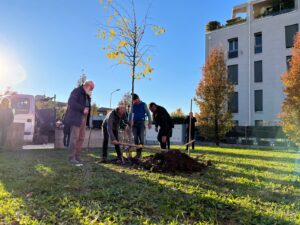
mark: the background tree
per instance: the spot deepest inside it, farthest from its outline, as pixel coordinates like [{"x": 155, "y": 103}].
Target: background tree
[
  {"x": 178, "y": 113},
  {"x": 213, "y": 94},
  {"x": 60, "y": 112},
  {"x": 94, "y": 110},
  {"x": 126, "y": 100},
  {"x": 123, "y": 35},
  {"x": 178, "y": 116},
  {"x": 81, "y": 79},
  {"x": 45, "y": 103},
  {"x": 290, "y": 114}
]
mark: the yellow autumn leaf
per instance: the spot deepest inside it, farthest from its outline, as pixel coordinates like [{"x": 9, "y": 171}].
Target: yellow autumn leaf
[
  {"x": 122, "y": 43},
  {"x": 110, "y": 39},
  {"x": 112, "y": 32},
  {"x": 108, "y": 55},
  {"x": 101, "y": 1},
  {"x": 120, "y": 61},
  {"x": 109, "y": 1}
]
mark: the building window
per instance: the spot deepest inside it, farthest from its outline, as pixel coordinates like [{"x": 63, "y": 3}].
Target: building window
[
  {"x": 233, "y": 74},
  {"x": 258, "y": 100},
  {"x": 290, "y": 32},
  {"x": 236, "y": 123},
  {"x": 258, "y": 43},
  {"x": 233, "y": 48},
  {"x": 259, "y": 123},
  {"x": 233, "y": 104},
  {"x": 288, "y": 61},
  {"x": 258, "y": 71}
]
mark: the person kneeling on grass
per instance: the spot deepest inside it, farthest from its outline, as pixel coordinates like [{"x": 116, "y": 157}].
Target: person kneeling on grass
[{"x": 110, "y": 128}]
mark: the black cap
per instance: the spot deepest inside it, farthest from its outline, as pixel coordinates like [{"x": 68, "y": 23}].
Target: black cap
[{"x": 135, "y": 97}]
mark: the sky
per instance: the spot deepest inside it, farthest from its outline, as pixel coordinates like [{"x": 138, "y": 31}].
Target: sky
[{"x": 45, "y": 45}]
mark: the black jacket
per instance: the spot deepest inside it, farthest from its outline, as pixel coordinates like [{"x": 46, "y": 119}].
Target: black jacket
[
  {"x": 187, "y": 123},
  {"x": 78, "y": 100},
  {"x": 162, "y": 118}
]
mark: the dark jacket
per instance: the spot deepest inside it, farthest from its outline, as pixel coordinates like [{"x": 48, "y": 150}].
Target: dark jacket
[
  {"x": 162, "y": 118},
  {"x": 6, "y": 117},
  {"x": 78, "y": 100},
  {"x": 187, "y": 123},
  {"x": 112, "y": 123}
]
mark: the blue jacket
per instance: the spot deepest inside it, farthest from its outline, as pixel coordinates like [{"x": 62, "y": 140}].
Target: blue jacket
[
  {"x": 78, "y": 100},
  {"x": 140, "y": 112}
]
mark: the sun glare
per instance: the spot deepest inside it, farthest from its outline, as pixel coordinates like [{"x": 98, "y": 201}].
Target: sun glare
[{"x": 11, "y": 72}]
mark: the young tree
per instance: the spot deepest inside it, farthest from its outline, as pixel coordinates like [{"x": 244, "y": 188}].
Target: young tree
[
  {"x": 213, "y": 94},
  {"x": 81, "y": 79},
  {"x": 290, "y": 114},
  {"x": 123, "y": 35}
]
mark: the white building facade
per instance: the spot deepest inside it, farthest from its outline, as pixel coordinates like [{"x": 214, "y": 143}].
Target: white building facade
[{"x": 257, "y": 46}]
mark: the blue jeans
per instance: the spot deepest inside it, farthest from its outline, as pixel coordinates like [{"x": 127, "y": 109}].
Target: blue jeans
[{"x": 139, "y": 134}]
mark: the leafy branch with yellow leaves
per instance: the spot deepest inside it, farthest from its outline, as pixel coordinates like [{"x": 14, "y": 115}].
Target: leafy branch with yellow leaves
[{"x": 123, "y": 37}]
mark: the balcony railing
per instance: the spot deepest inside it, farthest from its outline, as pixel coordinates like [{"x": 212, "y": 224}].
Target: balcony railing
[{"x": 273, "y": 8}]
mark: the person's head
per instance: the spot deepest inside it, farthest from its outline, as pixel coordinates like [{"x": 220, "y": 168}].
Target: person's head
[
  {"x": 88, "y": 87},
  {"x": 136, "y": 99},
  {"x": 152, "y": 107},
  {"x": 121, "y": 110},
  {"x": 191, "y": 114},
  {"x": 5, "y": 103}
]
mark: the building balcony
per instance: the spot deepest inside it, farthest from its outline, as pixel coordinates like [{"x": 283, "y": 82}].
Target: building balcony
[
  {"x": 215, "y": 25},
  {"x": 259, "y": 9},
  {"x": 272, "y": 8}
]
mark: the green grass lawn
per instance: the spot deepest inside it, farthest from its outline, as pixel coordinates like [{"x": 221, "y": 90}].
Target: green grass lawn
[{"x": 242, "y": 187}]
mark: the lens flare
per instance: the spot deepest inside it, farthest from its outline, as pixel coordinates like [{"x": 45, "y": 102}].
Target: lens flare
[{"x": 11, "y": 72}]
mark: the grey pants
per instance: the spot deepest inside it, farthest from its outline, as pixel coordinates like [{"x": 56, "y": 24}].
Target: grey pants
[
  {"x": 3, "y": 135},
  {"x": 76, "y": 140}
]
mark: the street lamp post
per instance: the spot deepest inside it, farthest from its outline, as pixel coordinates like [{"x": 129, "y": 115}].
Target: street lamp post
[{"x": 111, "y": 96}]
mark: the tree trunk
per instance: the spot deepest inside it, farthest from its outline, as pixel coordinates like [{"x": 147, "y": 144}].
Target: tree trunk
[{"x": 217, "y": 141}]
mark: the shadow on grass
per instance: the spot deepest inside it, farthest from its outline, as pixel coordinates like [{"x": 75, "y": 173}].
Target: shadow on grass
[{"x": 107, "y": 193}]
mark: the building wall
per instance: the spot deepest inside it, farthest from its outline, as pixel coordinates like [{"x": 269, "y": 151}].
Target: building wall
[{"x": 274, "y": 63}]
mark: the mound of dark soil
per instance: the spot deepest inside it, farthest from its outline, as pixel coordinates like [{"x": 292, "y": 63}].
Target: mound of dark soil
[{"x": 172, "y": 161}]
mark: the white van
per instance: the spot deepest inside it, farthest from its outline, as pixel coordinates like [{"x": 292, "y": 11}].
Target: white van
[{"x": 24, "y": 112}]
